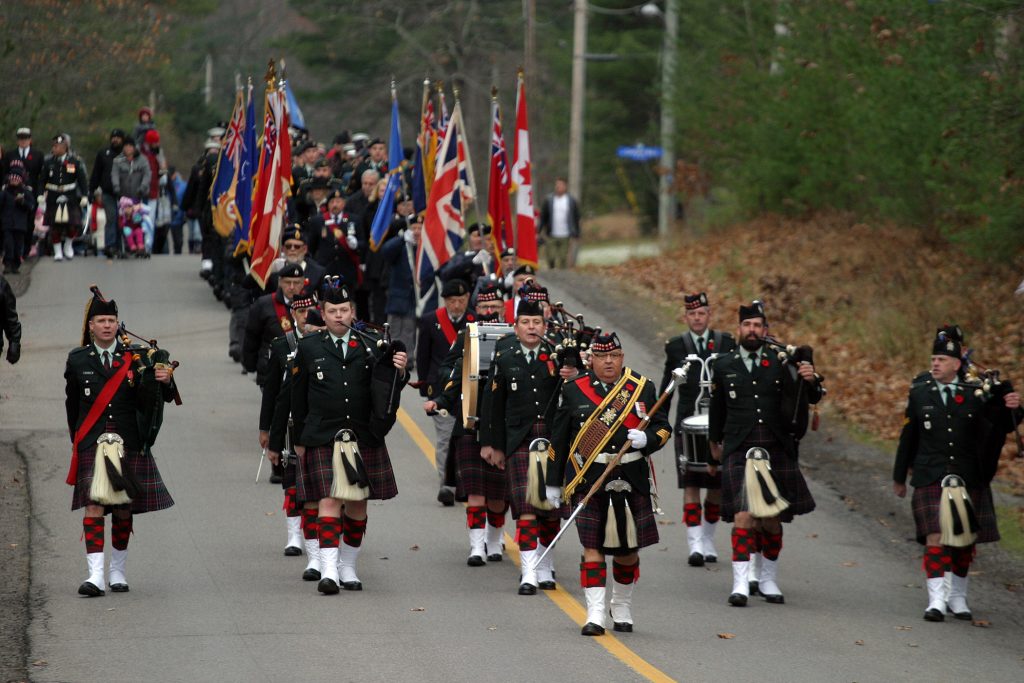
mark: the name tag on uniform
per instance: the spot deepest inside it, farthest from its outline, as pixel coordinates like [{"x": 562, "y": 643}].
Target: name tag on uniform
[{"x": 319, "y": 375}]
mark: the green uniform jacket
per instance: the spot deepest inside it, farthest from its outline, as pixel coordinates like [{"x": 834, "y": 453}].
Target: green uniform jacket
[
  {"x": 518, "y": 394},
  {"x": 84, "y": 378},
  {"x": 276, "y": 404},
  {"x": 331, "y": 392},
  {"x": 942, "y": 439},
  {"x": 573, "y": 412},
  {"x": 676, "y": 351},
  {"x": 739, "y": 401}
]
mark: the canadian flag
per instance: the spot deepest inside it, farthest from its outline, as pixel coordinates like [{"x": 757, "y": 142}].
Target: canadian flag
[{"x": 522, "y": 181}]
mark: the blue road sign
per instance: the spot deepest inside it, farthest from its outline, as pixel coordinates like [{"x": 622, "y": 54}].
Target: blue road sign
[{"x": 639, "y": 152}]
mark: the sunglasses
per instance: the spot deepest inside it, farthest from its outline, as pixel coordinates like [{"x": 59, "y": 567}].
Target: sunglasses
[{"x": 293, "y": 245}]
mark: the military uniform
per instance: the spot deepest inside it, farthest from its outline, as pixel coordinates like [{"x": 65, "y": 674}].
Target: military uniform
[
  {"x": 950, "y": 430},
  {"x": 65, "y": 185},
  {"x": 269, "y": 318}
]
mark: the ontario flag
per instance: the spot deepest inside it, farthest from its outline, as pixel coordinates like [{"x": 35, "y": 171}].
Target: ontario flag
[
  {"x": 273, "y": 185},
  {"x": 522, "y": 182},
  {"x": 444, "y": 223},
  {"x": 499, "y": 185}
]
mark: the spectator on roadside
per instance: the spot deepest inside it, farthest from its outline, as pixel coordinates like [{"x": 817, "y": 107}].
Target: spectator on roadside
[
  {"x": 101, "y": 186},
  {"x": 157, "y": 180},
  {"x": 31, "y": 159},
  {"x": 176, "y": 187},
  {"x": 559, "y": 224},
  {"x": 9, "y": 321},
  {"x": 146, "y": 123},
  {"x": 17, "y": 211},
  {"x": 400, "y": 256}
]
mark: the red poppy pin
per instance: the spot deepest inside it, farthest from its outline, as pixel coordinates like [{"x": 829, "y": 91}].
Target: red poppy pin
[
  {"x": 711, "y": 344},
  {"x": 959, "y": 398},
  {"x": 765, "y": 363},
  {"x": 353, "y": 343},
  {"x": 542, "y": 356}
]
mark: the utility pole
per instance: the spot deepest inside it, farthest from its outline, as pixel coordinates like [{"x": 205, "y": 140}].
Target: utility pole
[
  {"x": 666, "y": 195},
  {"x": 530, "y": 41},
  {"x": 208, "y": 86},
  {"x": 579, "y": 89}
]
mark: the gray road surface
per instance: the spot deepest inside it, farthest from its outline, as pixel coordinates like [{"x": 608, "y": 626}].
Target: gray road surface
[{"x": 213, "y": 599}]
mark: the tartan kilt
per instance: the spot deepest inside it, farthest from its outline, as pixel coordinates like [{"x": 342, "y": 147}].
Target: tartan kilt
[
  {"x": 925, "y": 502},
  {"x": 517, "y": 464},
  {"x": 316, "y": 473},
  {"x": 591, "y": 521},
  {"x": 154, "y": 494},
  {"x": 785, "y": 471},
  {"x": 474, "y": 476}
]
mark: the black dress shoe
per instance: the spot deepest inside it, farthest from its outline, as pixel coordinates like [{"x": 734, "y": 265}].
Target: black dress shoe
[
  {"x": 119, "y": 588},
  {"x": 929, "y": 614},
  {"x": 475, "y": 561},
  {"x": 622, "y": 627},
  {"x": 446, "y": 498},
  {"x": 738, "y": 600},
  {"x": 327, "y": 587},
  {"x": 775, "y": 599},
  {"x": 89, "y": 590},
  {"x": 590, "y": 629},
  {"x": 711, "y": 559},
  {"x": 753, "y": 586},
  {"x": 527, "y": 589},
  {"x": 311, "y": 575},
  {"x": 352, "y": 585},
  {"x": 696, "y": 560},
  {"x": 496, "y": 557},
  {"x": 962, "y": 616},
  {"x": 547, "y": 585},
  {"x": 292, "y": 551}
]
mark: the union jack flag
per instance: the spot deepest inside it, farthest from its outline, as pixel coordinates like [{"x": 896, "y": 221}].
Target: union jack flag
[{"x": 499, "y": 186}]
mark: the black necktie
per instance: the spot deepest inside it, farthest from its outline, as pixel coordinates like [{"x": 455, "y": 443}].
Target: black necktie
[
  {"x": 753, "y": 362},
  {"x": 949, "y": 395},
  {"x": 341, "y": 347},
  {"x": 531, "y": 356},
  {"x": 700, "y": 345},
  {"x": 106, "y": 361}
]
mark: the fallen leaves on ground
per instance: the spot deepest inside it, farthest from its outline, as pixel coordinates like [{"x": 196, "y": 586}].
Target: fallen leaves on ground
[
  {"x": 726, "y": 636},
  {"x": 904, "y": 628},
  {"x": 418, "y": 609},
  {"x": 981, "y": 623},
  {"x": 414, "y": 547},
  {"x": 858, "y": 642},
  {"x": 850, "y": 563}
]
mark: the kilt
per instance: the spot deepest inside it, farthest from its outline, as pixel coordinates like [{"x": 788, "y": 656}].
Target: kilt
[
  {"x": 316, "y": 473},
  {"x": 69, "y": 229},
  {"x": 925, "y": 502},
  {"x": 476, "y": 477},
  {"x": 516, "y": 466},
  {"x": 785, "y": 471},
  {"x": 143, "y": 467},
  {"x": 689, "y": 477},
  {"x": 591, "y": 521}
]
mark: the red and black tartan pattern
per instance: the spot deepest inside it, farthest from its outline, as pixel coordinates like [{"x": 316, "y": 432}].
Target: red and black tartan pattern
[
  {"x": 712, "y": 512},
  {"x": 154, "y": 494},
  {"x": 961, "y": 559},
  {"x": 771, "y": 545},
  {"x": 625, "y": 573},
  {"x": 496, "y": 519},
  {"x": 310, "y": 528},
  {"x": 120, "y": 531},
  {"x": 526, "y": 534},
  {"x": 329, "y": 529},
  {"x": 925, "y": 502},
  {"x": 742, "y": 544},
  {"x": 92, "y": 532},
  {"x": 290, "y": 506},
  {"x": 936, "y": 561},
  {"x": 691, "y": 514},
  {"x": 355, "y": 529},
  {"x": 549, "y": 528},
  {"x": 593, "y": 574},
  {"x": 516, "y": 466},
  {"x": 687, "y": 477},
  {"x": 785, "y": 471},
  {"x": 474, "y": 477},
  {"x": 316, "y": 473},
  {"x": 476, "y": 517},
  {"x": 591, "y": 521}
]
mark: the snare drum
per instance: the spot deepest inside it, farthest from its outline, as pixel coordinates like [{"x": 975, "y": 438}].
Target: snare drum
[
  {"x": 480, "y": 339},
  {"x": 696, "y": 452}
]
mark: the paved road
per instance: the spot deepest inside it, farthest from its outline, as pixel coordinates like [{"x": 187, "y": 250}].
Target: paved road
[{"x": 213, "y": 599}]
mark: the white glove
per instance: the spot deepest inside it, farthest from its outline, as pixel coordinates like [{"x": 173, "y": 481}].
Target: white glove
[
  {"x": 410, "y": 237},
  {"x": 553, "y": 495},
  {"x": 482, "y": 258},
  {"x": 638, "y": 438},
  {"x": 40, "y": 200},
  {"x": 352, "y": 242},
  {"x": 84, "y": 202}
]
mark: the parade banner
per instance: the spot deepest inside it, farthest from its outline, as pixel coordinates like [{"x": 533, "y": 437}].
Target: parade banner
[
  {"x": 223, "y": 190},
  {"x": 386, "y": 205},
  {"x": 243, "y": 195}
]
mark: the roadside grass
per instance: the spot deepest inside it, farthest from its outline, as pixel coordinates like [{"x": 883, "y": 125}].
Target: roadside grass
[{"x": 1011, "y": 529}]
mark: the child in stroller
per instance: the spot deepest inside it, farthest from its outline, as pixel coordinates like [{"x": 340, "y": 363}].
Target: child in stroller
[{"x": 136, "y": 226}]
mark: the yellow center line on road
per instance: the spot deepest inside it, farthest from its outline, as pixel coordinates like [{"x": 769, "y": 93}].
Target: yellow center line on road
[{"x": 565, "y": 602}]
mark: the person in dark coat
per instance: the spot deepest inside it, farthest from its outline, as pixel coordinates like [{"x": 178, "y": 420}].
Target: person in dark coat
[
  {"x": 559, "y": 224},
  {"x": 337, "y": 238},
  {"x": 17, "y": 217},
  {"x": 30, "y": 157},
  {"x": 11, "y": 326},
  {"x": 745, "y": 413},
  {"x": 400, "y": 257},
  {"x": 270, "y": 317},
  {"x": 101, "y": 186},
  {"x": 65, "y": 188}
]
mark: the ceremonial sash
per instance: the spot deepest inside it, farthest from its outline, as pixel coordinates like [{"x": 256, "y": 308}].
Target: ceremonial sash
[
  {"x": 612, "y": 412},
  {"x": 283, "y": 316},
  {"x": 510, "y": 311},
  {"x": 445, "y": 323},
  {"x": 98, "y": 406}
]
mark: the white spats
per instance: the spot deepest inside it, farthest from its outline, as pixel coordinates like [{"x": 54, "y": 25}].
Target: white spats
[
  {"x": 295, "y": 539},
  {"x": 767, "y": 585},
  {"x": 936, "y": 598},
  {"x": 312, "y": 546},
  {"x": 477, "y": 543},
  {"x": 329, "y": 564},
  {"x": 595, "y": 605},
  {"x": 695, "y": 540},
  {"x": 118, "y": 560},
  {"x": 347, "y": 556},
  {"x": 96, "y": 573},
  {"x": 958, "y": 596},
  {"x": 708, "y": 540},
  {"x": 528, "y": 559},
  {"x": 622, "y": 602},
  {"x": 495, "y": 542},
  {"x": 546, "y": 569}
]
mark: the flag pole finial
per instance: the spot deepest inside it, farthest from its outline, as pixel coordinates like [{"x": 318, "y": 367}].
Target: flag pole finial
[
  {"x": 520, "y": 73},
  {"x": 394, "y": 88},
  {"x": 439, "y": 86},
  {"x": 456, "y": 92},
  {"x": 494, "y": 92}
]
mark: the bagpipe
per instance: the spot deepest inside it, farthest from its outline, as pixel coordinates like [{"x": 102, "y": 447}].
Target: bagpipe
[
  {"x": 988, "y": 384},
  {"x": 570, "y": 336},
  {"x": 146, "y": 360},
  {"x": 796, "y": 404},
  {"x": 386, "y": 381}
]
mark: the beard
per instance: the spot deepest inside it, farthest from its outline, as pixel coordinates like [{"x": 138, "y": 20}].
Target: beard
[{"x": 752, "y": 343}]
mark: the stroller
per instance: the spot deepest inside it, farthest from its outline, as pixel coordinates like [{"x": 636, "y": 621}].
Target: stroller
[{"x": 136, "y": 225}]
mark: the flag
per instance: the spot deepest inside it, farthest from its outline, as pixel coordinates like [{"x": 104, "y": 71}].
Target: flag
[
  {"x": 243, "y": 194},
  {"x": 423, "y": 160},
  {"x": 295, "y": 116},
  {"x": 441, "y": 126},
  {"x": 443, "y": 225},
  {"x": 225, "y": 176},
  {"x": 467, "y": 180},
  {"x": 386, "y": 205},
  {"x": 499, "y": 185},
  {"x": 273, "y": 185},
  {"x": 522, "y": 181}
]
